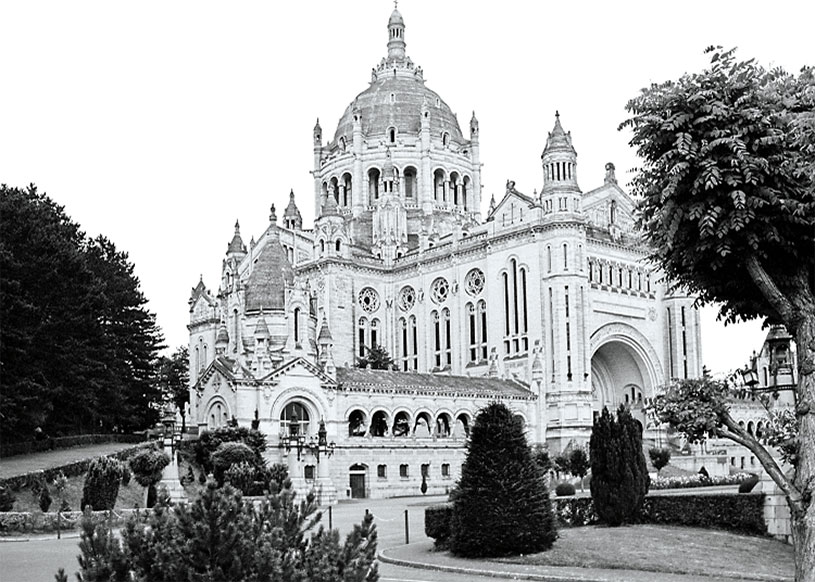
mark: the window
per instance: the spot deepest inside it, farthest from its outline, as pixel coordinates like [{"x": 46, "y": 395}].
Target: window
[
  {"x": 445, "y": 470},
  {"x": 308, "y": 472},
  {"x": 382, "y": 471},
  {"x": 476, "y": 331},
  {"x": 426, "y": 470},
  {"x": 297, "y": 325},
  {"x": 368, "y": 299},
  {"x": 294, "y": 412},
  {"x": 516, "y": 322},
  {"x": 474, "y": 282},
  {"x": 403, "y": 471},
  {"x": 439, "y": 290}
]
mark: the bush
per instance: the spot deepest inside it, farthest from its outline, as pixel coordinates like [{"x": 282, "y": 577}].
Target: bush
[
  {"x": 242, "y": 476},
  {"x": 733, "y": 511},
  {"x": 437, "y": 524},
  {"x": 564, "y": 489},
  {"x": 220, "y": 536},
  {"x": 102, "y": 484},
  {"x": 501, "y": 490},
  {"x": 659, "y": 457},
  {"x": 126, "y": 475},
  {"x": 574, "y": 511},
  {"x": 697, "y": 480},
  {"x": 44, "y": 498},
  {"x": 229, "y": 454},
  {"x": 619, "y": 473},
  {"x": 7, "y": 499},
  {"x": 148, "y": 465},
  {"x": 748, "y": 484},
  {"x": 209, "y": 441}
]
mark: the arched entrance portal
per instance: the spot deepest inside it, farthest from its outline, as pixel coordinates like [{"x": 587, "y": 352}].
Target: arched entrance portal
[{"x": 625, "y": 369}]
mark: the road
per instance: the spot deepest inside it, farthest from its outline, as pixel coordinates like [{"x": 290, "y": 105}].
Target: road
[{"x": 37, "y": 560}]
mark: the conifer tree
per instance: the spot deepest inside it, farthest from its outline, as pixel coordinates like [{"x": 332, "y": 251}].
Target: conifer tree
[
  {"x": 619, "y": 475},
  {"x": 501, "y": 506},
  {"x": 102, "y": 482}
]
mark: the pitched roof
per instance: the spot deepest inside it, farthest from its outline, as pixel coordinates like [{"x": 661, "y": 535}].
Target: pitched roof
[
  {"x": 386, "y": 381},
  {"x": 271, "y": 274}
]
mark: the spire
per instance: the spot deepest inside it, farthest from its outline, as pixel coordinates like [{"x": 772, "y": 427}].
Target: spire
[
  {"x": 473, "y": 127},
  {"x": 291, "y": 217},
  {"x": 236, "y": 246},
  {"x": 318, "y": 133},
  {"x": 396, "y": 36},
  {"x": 273, "y": 215},
  {"x": 558, "y": 139}
]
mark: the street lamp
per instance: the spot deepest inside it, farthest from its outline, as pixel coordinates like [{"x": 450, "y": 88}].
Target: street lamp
[
  {"x": 322, "y": 446},
  {"x": 168, "y": 420},
  {"x": 295, "y": 439}
]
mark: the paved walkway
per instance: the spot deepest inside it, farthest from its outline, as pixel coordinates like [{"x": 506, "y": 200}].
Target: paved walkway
[
  {"x": 22, "y": 464},
  {"x": 421, "y": 555}
]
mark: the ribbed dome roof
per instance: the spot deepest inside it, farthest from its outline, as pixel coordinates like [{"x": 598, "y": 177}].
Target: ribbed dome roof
[
  {"x": 271, "y": 274},
  {"x": 404, "y": 111}
]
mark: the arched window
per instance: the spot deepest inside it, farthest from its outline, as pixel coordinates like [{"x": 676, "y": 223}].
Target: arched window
[
  {"x": 392, "y": 135},
  {"x": 322, "y": 247},
  {"x": 437, "y": 335},
  {"x": 476, "y": 331},
  {"x": 294, "y": 412},
  {"x": 217, "y": 416},
  {"x": 379, "y": 424},
  {"x": 565, "y": 257},
  {"x": 373, "y": 186},
  {"x": 516, "y": 320},
  {"x": 356, "y": 423},
  {"x": 413, "y": 338},
  {"x": 410, "y": 182},
  {"x": 197, "y": 369},
  {"x": 448, "y": 353},
  {"x": 454, "y": 188},
  {"x": 439, "y": 192},
  {"x": 345, "y": 190},
  {"x": 296, "y": 324},
  {"x": 236, "y": 328},
  {"x": 338, "y": 245},
  {"x": 401, "y": 425},
  {"x": 362, "y": 335}
]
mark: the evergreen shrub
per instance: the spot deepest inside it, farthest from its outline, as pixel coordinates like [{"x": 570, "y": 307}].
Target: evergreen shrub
[
  {"x": 7, "y": 499},
  {"x": 620, "y": 479},
  {"x": 437, "y": 524},
  {"x": 44, "y": 498},
  {"x": 102, "y": 484},
  {"x": 229, "y": 454},
  {"x": 564, "y": 489},
  {"x": 501, "y": 505},
  {"x": 209, "y": 441}
]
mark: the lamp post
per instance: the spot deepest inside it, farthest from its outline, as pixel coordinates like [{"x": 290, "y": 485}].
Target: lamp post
[{"x": 168, "y": 420}]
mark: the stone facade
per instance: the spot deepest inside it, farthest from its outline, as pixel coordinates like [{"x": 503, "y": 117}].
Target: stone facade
[{"x": 546, "y": 303}]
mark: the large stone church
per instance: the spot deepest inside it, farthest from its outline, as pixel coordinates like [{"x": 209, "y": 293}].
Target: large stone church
[{"x": 544, "y": 302}]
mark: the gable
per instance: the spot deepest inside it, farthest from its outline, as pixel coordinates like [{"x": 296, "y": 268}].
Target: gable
[
  {"x": 514, "y": 208},
  {"x": 609, "y": 206},
  {"x": 299, "y": 367}
]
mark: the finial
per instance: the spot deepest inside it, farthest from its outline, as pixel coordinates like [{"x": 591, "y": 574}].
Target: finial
[
  {"x": 557, "y": 114},
  {"x": 291, "y": 194},
  {"x": 237, "y": 226},
  {"x": 395, "y": 4},
  {"x": 273, "y": 215}
]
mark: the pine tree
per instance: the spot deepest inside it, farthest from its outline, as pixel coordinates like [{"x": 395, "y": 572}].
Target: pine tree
[
  {"x": 102, "y": 482},
  {"x": 501, "y": 506},
  {"x": 619, "y": 475}
]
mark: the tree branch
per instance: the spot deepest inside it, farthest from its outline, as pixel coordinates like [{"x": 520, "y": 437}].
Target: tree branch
[
  {"x": 738, "y": 435},
  {"x": 777, "y": 300}
]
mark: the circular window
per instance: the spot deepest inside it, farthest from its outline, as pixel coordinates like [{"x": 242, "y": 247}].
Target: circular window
[
  {"x": 369, "y": 299},
  {"x": 407, "y": 298},
  {"x": 474, "y": 282},
  {"x": 439, "y": 290}
]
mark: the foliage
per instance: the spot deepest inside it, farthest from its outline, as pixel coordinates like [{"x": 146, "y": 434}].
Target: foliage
[
  {"x": 376, "y": 358},
  {"x": 501, "y": 505},
  {"x": 219, "y": 536},
  {"x": 540, "y": 454},
  {"x": 748, "y": 484},
  {"x": 727, "y": 194},
  {"x": 209, "y": 441},
  {"x": 101, "y": 558},
  {"x": 77, "y": 342},
  {"x": 44, "y": 498},
  {"x": 173, "y": 379},
  {"x": 7, "y": 499},
  {"x": 579, "y": 464},
  {"x": 561, "y": 463},
  {"x": 564, "y": 489},
  {"x": 732, "y": 511},
  {"x": 781, "y": 432},
  {"x": 660, "y": 457},
  {"x": 574, "y": 511},
  {"x": 619, "y": 475},
  {"x": 242, "y": 477},
  {"x": 437, "y": 520},
  {"x": 228, "y": 455},
  {"x": 102, "y": 484},
  {"x": 147, "y": 466}
]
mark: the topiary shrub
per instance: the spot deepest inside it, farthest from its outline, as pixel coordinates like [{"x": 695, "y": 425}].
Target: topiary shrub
[
  {"x": 229, "y": 454},
  {"x": 44, "y": 498},
  {"x": 147, "y": 467},
  {"x": 748, "y": 484},
  {"x": 501, "y": 490},
  {"x": 102, "y": 484},
  {"x": 209, "y": 441},
  {"x": 437, "y": 524},
  {"x": 660, "y": 457},
  {"x": 619, "y": 473},
  {"x": 126, "y": 476},
  {"x": 242, "y": 476},
  {"x": 564, "y": 489}
]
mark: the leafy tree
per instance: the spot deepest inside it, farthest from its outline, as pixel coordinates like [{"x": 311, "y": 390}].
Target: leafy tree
[
  {"x": 728, "y": 204},
  {"x": 147, "y": 467},
  {"x": 501, "y": 505},
  {"x": 174, "y": 379},
  {"x": 376, "y": 358},
  {"x": 562, "y": 464},
  {"x": 102, "y": 484},
  {"x": 541, "y": 456},
  {"x": 77, "y": 344},
  {"x": 659, "y": 457},
  {"x": 7, "y": 499},
  {"x": 219, "y": 536},
  {"x": 209, "y": 441},
  {"x": 619, "y": 475},
  {"x": 579, "y": 464},
  {"x": 229, "y": 454}
]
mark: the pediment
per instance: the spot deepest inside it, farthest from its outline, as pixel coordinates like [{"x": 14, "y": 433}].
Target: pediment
[{"x": 299, "y": 366}]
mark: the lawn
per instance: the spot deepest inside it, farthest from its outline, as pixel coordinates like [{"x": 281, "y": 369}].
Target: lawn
[
  {"x": 671, "y": 549},
  {"x": 129, "y": 496}
]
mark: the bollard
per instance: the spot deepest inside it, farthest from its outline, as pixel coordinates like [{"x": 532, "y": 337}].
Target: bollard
[
  {"x": 330, "y": 518},
  {"x": 407, "y": 528}
]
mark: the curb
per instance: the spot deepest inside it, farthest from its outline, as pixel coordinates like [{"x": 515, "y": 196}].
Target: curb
[{"x": 15, "y": 539}]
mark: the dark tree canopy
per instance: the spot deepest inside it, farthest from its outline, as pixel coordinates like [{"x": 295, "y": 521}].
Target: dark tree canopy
[
  {"x": 728, "y": 184},
  {"x": 77, "y": 344},
  {"x": 174, "y": 379},
  {"x": 377, "y": 358},
  {"x": 501, "y": 505}
]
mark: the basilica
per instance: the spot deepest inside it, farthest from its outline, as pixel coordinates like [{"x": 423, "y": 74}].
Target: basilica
[{"x": 541, "y": 300}]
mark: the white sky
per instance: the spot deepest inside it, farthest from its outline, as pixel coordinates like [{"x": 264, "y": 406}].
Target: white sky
[{"x": 159, "y": 123}]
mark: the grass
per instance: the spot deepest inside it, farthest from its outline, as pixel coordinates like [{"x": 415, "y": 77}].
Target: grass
[
  {"x": 667, "y": 549},
  {"x": 129, "y": 496}
]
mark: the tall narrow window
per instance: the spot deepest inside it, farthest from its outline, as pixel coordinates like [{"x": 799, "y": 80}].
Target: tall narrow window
[
  {"x": 374, "y": 325},
  {"x": 482, "y": 316},
  {"x": 471, "y": 332},
  {"x": 362, "y": 332},
  {"x": 297, "y": 325},
  {"x": 434, "y": 315},
  {"x": 403, "y": 343},
  {"x": 414, "y": 343},
  {"x": 565, "y": 257},
  {"x": 448, "y": 352},
  {"x": 236, "y": 323}
]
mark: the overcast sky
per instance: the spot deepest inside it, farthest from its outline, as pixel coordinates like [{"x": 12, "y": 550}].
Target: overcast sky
[{"x": 160, "y": 123}]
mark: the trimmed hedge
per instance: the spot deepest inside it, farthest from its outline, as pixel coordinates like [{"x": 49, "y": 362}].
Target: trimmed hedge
[
  {"x": 15, "y": 522},
  {"x": 564, "y": 489},
  {"x": 69, "y": 470},
  {"x": 26, "y": 448},
  {"x": 741, "y": 513}
]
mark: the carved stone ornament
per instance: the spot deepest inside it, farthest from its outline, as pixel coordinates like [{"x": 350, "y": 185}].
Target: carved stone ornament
[
  {"x": 216, "y": 383},
  {"x": 652, "y": 314},
  {"x": 267, "y": 392}
]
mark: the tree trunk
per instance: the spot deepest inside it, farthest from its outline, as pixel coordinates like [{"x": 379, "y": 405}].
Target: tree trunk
[{"x": 803, "y": 516}]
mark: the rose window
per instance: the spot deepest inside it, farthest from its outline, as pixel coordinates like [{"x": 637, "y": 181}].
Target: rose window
[
  {"x": 407, "y": 298},
  {"x": 369, "y": 299},
  {"x": 439, "y": 290},
  {"x": 474, "y": 282}
]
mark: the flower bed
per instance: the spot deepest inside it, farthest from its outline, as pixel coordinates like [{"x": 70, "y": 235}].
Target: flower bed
[
  {"x": 17, "y": 522},
  {"x": 696, "y": 480}
]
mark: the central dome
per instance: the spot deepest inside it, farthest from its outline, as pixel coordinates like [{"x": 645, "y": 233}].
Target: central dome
[
  {"x": 397, "y": 102},
  {"x": 397, "y": 97}
]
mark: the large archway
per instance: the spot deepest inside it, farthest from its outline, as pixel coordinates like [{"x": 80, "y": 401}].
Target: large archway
[{"x": 625, "y": 369}]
